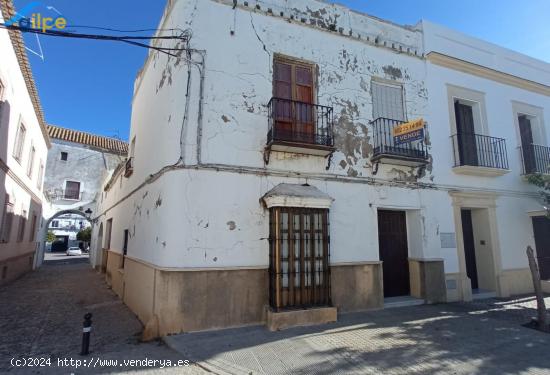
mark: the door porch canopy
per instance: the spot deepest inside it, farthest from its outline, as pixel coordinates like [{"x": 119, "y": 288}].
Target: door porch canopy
[{"x": 295, "y": 195}]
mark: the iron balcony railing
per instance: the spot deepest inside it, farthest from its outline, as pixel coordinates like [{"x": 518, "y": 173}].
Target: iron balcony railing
[
  {"x": 384, "y": 144},
  {"x": 478, "y": 150},
  {"x": 71, "y": 194},
  {"x": 535, "y": 159},
  {"x": 298, "y": 122}
]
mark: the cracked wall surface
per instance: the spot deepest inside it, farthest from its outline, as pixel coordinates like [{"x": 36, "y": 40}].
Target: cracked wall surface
[
  {"x": 241, "y": 80},
  {"x": 212, "y": 217}
]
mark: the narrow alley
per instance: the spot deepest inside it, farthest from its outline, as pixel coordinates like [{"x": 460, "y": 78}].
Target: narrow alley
[{"x": 44, "y": 317}]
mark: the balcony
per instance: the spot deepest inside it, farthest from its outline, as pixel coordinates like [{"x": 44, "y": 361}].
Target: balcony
[
  {"x": 299, "y": 127},
  {"x": 479, "y": 155},
  {"x": 386, "y": 151},
  {"x": 535, "y": 159},
  {"x": 129, "y": 167},
  {"x": 72, "y": 195}
]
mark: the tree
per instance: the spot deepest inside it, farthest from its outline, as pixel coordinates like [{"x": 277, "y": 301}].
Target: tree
[
  {"x": 50, "y": 237},
  {"x": 85, "y": 235},
  {"x": 543, "y": 182}
]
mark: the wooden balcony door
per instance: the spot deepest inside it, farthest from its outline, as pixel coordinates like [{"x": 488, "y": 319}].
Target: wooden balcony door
[
  {"x": 528, "y": 152},
  {"x": 294, "y": 112},
  {"x": 466, "y": 137},
  {"x": 541, "y": 228}
]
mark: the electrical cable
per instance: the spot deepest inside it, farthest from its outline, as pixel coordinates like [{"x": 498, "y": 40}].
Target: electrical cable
[
  {"x": 129, "y": 39},
  {"x": 122, "y": 31}
]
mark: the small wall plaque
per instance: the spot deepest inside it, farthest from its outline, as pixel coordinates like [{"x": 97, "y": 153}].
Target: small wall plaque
[
  {"x": 448, "y": 240},
  {"x": 451, "y": 284}
]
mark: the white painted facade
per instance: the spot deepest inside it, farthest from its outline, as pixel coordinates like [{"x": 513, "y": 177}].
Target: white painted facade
[
  {"x": 74, "y": 164},
  {"x": 193, "y": 201},
  {"x": 22, "y": 165}
]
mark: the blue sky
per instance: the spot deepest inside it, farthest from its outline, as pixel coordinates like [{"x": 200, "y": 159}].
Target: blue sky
[{"x": 88, "y": 85}]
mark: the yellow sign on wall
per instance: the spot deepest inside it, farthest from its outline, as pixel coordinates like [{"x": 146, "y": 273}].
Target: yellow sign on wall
[
  {"x": 409, "y": 132},
  {"x": 408, "y": 127}
]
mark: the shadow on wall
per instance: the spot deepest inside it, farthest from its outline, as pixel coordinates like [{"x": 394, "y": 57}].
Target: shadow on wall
[
  {"x": 18, "y": 232},
  {"x": 5, "y": 110},
  {"x": 432, "y": 338}
]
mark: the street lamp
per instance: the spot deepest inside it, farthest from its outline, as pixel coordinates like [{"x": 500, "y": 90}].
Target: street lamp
[{"x": 88, "y": 213}]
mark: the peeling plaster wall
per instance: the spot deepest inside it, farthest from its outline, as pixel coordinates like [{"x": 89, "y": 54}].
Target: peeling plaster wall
[
  {"x": 195, "y": 218},
  {"x": 239, "y": 83},
  {"x": 198, "y": 225},
  {"x": 182, "y": 220},
  {"x": 85, "y": 165}
]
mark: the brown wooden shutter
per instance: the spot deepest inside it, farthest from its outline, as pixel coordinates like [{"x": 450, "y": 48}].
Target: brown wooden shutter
[{"x": 293, "y": 88}]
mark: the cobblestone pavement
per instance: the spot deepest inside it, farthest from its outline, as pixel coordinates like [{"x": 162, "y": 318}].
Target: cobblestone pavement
[
  {"x": 482, "y": 337},
  {"x": 41, "y": 316},
  {"x": 519, "y": 309}
]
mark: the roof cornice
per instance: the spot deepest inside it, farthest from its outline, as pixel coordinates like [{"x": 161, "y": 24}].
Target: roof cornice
[
  {"x": 8, "y": 10},
  {"x": 105, "y": 144},
  {"x": 487, "y": 73}
]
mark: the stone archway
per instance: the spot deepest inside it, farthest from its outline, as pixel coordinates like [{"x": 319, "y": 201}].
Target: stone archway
[{"x": 44, "y": 230}]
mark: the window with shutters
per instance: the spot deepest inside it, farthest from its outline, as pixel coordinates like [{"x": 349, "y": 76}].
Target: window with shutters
[
  {"x": 2, "y": 89},
  {"x": 32, "y": 233},
  {"x": 299, "y": 257},
  {"x": 7, "y": 220},
  {"x": 22, "y": 226},
  {"x": 30, "y": 166},
  {"x": 387, "y": 101},
  {"x": 389, "y": 112},
  {"x": 72, "y": 190},
  {"x": 2, "y": 104},
  {"x": 19, "y": 142},
  {"x": 40, "y": 175},
  {"x": 293, "y": 89},
  {"x": 294, "y": 115}
]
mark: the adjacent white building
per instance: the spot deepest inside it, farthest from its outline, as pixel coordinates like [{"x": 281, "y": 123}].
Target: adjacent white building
[
  {"x": 264, "y": 183},
  {"x": 24, "y": 144},
  {"x": 493, "y": 106},
  {"x": 76, "y": 167}
]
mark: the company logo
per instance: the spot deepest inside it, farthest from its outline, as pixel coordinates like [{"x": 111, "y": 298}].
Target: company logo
[{"x": 28, "y": 18}]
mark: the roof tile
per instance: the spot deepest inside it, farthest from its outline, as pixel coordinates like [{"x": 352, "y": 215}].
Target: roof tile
[{"x": 105, "y": 143}]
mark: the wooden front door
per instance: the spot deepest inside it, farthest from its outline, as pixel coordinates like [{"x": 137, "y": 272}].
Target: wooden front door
[
  {"x": 469, "y": 247},
  {"x": 528, "y": 152},
  {"x": 465, "y": 133},
  {"x": 394, "y": 253},
  {"x": 541, "y": 229},
  {"x": 294, "y": 97}
]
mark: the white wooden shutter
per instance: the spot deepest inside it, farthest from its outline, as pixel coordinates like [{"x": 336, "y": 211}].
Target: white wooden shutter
[{"x": 387, "y": 101}]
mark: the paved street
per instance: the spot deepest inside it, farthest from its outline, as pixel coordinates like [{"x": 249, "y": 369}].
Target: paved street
[
  {"x": 483, "y": 337},
  {"x": 41, "y": 316},
  {"x": 62, "y": 258}
]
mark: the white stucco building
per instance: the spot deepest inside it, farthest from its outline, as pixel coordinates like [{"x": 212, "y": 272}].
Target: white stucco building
[
  {"x": 263, "y": 175},
  {"x": 76, "y": 167},
  {"x": 24, "y": 144}
]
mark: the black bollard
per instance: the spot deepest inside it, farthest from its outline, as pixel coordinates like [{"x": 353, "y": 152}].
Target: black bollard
[{"x": 86, "y": 334}]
